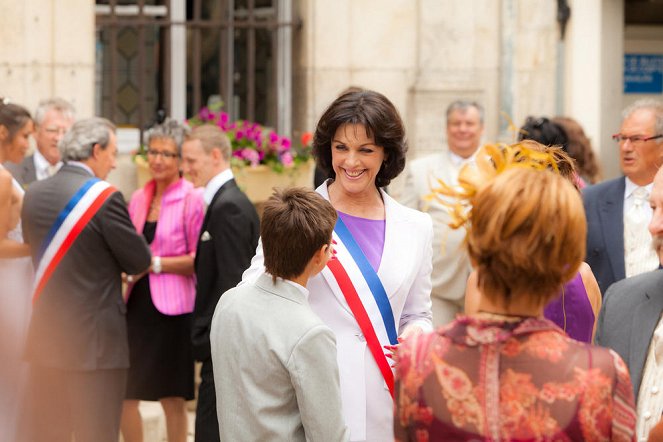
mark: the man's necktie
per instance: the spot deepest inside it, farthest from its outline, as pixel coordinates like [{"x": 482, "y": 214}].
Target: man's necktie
[{"x": 639, "y": 256}]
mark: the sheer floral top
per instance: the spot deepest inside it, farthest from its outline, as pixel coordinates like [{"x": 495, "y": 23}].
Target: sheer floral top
[{"x": 520, "y": 380}]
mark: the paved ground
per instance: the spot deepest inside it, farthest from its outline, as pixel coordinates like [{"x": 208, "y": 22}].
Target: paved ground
[{"x": 154, "y": 422}]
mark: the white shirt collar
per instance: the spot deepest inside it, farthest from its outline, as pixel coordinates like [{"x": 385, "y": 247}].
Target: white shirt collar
[
  {"x": 42, "y": 165},
  {"x": 82, "y": 166},
  {"x": 630, "y": 187},
  {"x": 215, "y": 184},
  {"x": 458, "y": 161}
]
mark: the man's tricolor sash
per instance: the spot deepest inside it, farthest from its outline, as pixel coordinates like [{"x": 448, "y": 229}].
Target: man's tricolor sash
[
  {"x": 366, "y": 297},
  {"x": 70, "y": 222}
]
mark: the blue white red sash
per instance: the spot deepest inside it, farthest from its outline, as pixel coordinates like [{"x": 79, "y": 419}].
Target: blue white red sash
[
  {"x": 366, "y": 297},
  {"x": 70, "y": 222}
]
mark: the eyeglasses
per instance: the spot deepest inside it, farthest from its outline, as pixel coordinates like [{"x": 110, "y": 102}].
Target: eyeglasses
[
  {"x": 53, "y": 130},
  {"x": 165, "y": 155},
  {"x": 635, "y": 139}
]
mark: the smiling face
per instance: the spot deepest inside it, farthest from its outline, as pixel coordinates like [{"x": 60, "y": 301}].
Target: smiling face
[
  {"x": 356, "y": 159},
  {"x": 17, "y": 147},
  {"x": 163, "y": 159},
  {"x": 640, "y": 160},
  {"x": 464, "y": 130},
  {"x": 197, "y": 165}
]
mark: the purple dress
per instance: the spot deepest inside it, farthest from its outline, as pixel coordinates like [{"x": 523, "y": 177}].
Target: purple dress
[
  {"x": 369, "y": 235},
  {"x": 572, "y": 311}
]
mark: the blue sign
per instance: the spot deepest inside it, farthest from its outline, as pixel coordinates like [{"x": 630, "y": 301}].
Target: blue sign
[{"x": 643, "y": 73}]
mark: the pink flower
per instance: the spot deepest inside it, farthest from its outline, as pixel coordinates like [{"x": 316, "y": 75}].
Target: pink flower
[
  {"x": 239, "y": 135},
  {"x": 252, "y": 156},
  {"x": 273, "y": 137},
  {"x": 287, "y": 159},
  {"x": 286, "y": 143},
  {"x": 206, "y": 115}
]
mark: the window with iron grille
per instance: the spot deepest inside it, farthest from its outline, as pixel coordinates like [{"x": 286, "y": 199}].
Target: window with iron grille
[{"x": 180, "y": 55}]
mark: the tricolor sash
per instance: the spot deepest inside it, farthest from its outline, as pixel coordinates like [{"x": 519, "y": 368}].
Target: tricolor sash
[
  {"x": 366, "y": 297},
  {"x": 69, "y": 223}
]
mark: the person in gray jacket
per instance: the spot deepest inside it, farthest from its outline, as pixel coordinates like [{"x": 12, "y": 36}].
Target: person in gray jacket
[{"x": 274, "y": 359}]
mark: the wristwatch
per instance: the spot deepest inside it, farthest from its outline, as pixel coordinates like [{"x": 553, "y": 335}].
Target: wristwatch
[{"x": 156, "y": 264}]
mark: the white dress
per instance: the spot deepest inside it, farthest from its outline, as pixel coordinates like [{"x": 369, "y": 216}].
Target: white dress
[{"x": 15, "y": 307}]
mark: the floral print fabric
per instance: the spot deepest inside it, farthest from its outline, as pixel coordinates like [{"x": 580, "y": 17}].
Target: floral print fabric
[{"x": 479, "y": 379}]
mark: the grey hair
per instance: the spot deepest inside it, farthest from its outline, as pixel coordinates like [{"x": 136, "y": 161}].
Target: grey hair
[
  {"x": 57, "y": 104},
  {"x": 78, "y": 143},
  {"x": 170, "y": 130},
  {"x": 648, "y": 104},
  {"x": 463, "y": 105}
]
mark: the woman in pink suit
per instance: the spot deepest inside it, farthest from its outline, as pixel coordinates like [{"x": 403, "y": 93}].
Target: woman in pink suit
[{"x": 169, "y": 212}]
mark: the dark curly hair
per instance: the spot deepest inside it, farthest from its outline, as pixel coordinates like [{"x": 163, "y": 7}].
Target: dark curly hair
[
  {"x": 544, "y": 131},
  {"x": 379, "y": 116}
]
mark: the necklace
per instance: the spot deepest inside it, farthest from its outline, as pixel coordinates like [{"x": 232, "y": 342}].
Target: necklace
[{"x": 155, "y": 207}]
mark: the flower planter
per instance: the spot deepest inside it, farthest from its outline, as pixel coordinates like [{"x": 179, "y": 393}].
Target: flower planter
[{"x": 259, "y": 182}]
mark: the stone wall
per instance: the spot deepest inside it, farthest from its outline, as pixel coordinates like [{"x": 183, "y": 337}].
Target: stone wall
[{"x": 47, "y": 49}]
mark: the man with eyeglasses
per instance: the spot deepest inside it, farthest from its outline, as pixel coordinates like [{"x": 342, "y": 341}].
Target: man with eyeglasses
[
  {"x": 618, "y": 211},
  {"x": 53, "y": 118}
]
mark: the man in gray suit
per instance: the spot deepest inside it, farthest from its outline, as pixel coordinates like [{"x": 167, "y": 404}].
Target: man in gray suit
[
  {"x": 53, "y": 118},
  {"x": 77, "y": 339},
  {"x": 630, "y": 323},
  {"x": 274, "y": 360},
  {"x": 451, "y": 265},
  {"x": 613, "y": 251}
]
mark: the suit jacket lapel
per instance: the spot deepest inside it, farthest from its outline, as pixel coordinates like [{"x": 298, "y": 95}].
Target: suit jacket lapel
[
  {"x": 203, "y": 228},
  {"x": 396, "y": 248},
  {"x": 30, "y": 172},
  {"x": 611, "y": 212},
  {"x": 643, "y": 323}
]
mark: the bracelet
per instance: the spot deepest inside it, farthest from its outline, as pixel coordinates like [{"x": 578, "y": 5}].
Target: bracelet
[{"x": 156, "y": 264}]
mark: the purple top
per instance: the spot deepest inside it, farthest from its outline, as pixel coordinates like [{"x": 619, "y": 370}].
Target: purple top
[
  {"x": 572, "y": 311},
  {"x": 369, "y": 235}
]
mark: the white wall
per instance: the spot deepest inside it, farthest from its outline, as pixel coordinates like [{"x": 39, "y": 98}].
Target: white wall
[{"x": 47, "y": 49}]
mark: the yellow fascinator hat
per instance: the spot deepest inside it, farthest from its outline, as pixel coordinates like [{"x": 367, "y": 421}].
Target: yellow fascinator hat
[{"x": 490, "y": 161}]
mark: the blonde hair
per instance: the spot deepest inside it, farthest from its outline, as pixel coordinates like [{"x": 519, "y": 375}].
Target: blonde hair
[{"x": 211, "y": 137}]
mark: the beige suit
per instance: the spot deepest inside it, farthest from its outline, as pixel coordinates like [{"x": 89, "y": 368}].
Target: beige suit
[
  {"x": 451, "y": 265},
  {"x": 274, "y": 366}
]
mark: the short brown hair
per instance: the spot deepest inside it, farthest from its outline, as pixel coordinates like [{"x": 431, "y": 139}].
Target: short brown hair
[
  {"x": 378, "y": 115},
  {"x": 296, "y": 223},
  {"x": 211, "y": 137},
  {"x": 527, "y": 236}
]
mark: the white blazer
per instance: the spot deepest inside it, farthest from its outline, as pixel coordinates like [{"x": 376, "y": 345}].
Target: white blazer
[{"x": 405, "y": 270}]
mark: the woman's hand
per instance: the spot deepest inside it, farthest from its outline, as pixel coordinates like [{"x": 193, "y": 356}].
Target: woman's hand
[
  {"x": 409, "y": 332},
  {"x": 132, "y": 279}
]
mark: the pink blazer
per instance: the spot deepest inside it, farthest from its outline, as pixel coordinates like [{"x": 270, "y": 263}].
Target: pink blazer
[{"x": 180, "y": 219}]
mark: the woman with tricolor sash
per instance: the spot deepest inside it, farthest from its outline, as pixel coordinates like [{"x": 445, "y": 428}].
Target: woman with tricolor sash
[{"x": 378, "y": 290}]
